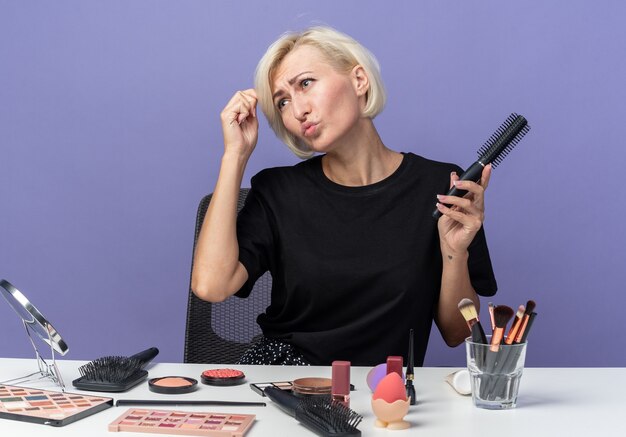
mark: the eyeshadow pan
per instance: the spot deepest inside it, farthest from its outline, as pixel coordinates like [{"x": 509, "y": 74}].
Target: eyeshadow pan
[
  {"x": 42, "y": 403},
  {"x": 190, "y": 426},
  {"x": 36, "y": 398},
  {"x": 13, "y": 399}
]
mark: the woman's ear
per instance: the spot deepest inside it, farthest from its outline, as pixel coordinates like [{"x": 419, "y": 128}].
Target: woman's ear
[{"x": 360, "y": 80}]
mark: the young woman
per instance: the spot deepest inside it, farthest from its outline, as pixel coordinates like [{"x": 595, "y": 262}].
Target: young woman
[{"x": 355, "y": 256}]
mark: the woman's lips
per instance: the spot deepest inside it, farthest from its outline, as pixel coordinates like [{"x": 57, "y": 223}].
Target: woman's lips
[{"x": 309, "y": 129}]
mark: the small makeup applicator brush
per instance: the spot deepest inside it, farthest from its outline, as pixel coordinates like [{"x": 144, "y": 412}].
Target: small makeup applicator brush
[
  {"x": 501, "y": 314},
  {"x": 468, "y": 310},
  {"x": 517, "y": 323},
  {"x": 493, "y": 322},
  {"x": 530, "y": 308},
  {"x": 529, "y": 324}
]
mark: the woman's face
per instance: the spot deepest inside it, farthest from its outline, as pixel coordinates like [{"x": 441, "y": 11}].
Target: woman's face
[{"x": 318, "y": 104}]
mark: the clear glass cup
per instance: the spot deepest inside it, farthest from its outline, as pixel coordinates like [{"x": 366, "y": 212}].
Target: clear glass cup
[{"x": 495, "y": 373}]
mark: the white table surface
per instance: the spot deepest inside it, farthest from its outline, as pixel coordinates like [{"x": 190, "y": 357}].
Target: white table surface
[{"x": 552, "y": 402}]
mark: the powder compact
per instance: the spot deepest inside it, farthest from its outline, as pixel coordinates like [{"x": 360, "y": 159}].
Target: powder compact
[
  {"x": 223, "y": 377},
  {"x": 172, "y": 385},
  {"x": 312, "y": 386}
]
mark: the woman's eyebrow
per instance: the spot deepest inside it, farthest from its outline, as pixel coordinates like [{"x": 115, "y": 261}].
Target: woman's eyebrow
[{"x": 290, "y": 82}]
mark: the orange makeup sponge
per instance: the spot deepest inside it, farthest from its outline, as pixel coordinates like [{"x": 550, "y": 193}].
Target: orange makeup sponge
[{"x": 390, "y": 388}]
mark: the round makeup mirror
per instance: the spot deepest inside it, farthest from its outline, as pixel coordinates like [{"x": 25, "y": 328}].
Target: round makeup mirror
[{"x": 32, "y": 318}]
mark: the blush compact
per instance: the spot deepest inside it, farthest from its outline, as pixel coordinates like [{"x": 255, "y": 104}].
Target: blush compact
[
  {"x": 223, "y": 377},
  {"x": 172, "y": 385}
]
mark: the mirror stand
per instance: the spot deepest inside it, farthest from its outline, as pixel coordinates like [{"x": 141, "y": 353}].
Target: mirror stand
[{"x": 49, "y": 371}]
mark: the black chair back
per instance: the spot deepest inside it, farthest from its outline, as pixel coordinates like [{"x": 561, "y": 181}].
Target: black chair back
[{"x": 221, "y": 332}]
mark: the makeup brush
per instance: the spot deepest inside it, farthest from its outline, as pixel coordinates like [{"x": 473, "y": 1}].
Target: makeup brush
[
  {"x": 410, "y": 390},
  {"x": 468, "y": 310},
  {"x": 517, "y": 322},
  {"x": 492, "y": 152},
  {"x": 508, "y": 361},
  {"x": 318, "y": 413},
  {"x": 530, "y": 307},
  {"x": 531, "y": 319},
  {"x": 493, "y": 322},
  {"x": 115, "y": 373},
  {"x": 501, "y": 314}
]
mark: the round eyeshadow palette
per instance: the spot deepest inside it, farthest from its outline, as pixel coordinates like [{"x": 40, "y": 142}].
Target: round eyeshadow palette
[{"x": 223, "y": 377}]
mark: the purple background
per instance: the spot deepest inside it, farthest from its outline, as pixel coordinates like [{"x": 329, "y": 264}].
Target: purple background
[{"x": 110, "y": 134}]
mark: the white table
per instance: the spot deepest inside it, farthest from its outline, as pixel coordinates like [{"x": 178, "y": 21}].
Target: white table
[{"x": 552, "y": 402}]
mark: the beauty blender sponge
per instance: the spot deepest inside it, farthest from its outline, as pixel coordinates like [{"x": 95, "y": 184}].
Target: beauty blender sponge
[
  {"x": 390, "y": 388},
  {"x": 375, "y": 375}
]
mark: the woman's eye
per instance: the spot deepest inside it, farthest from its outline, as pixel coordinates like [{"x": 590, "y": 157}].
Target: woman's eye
[
  {"x": 281, "y": 104},
  {"x": 306, "y": 82}
]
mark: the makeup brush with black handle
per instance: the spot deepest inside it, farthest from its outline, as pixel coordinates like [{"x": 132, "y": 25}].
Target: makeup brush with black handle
[{"x": 492, "y": 152}]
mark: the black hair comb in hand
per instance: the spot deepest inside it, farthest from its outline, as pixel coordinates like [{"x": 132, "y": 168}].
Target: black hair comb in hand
[{"x": 492, "y": 152}]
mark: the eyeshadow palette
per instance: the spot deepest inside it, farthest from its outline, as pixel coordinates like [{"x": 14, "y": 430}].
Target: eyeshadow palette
[
  {"x": 258, "y": 387},
  {"x": 183, "y": 423},
  {"x": 48, "y": 407}
]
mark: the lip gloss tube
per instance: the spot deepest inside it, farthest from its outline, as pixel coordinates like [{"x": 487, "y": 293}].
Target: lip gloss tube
[{"x": 340, "y": 391}]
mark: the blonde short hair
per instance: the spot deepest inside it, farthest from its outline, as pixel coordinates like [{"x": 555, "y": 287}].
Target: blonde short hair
[{"x": 342, "y": 52}]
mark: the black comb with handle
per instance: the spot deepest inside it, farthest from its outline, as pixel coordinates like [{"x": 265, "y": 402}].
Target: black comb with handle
[
  {"x": 318, "y": 413},
  {"x": 115, "y": 373},
  {"x": 492, "y": 152}
]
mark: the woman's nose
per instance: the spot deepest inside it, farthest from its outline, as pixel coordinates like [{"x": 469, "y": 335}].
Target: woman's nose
[{"x": 301, "y": 107}]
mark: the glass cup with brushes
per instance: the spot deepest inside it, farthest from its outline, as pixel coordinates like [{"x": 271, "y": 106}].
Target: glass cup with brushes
[{"x": 496, "y": 363}]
